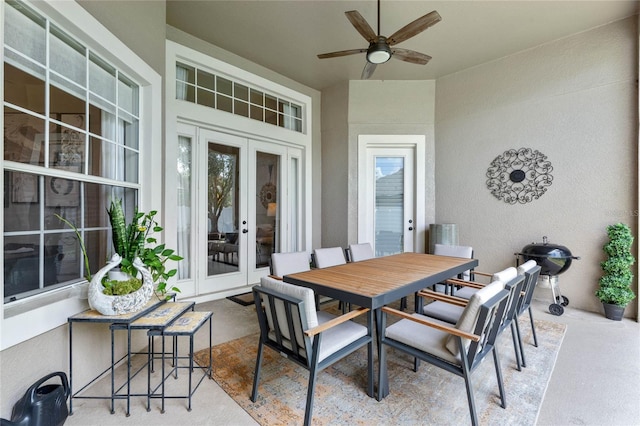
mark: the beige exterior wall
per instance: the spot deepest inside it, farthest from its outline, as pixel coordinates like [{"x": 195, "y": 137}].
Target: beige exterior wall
[
  {"x": 371, "y": 107},
  {"x": 576, "y": 101}
]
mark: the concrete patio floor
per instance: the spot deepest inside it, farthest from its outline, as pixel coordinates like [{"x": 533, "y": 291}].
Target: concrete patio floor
[{"x": 596, "y": 379}]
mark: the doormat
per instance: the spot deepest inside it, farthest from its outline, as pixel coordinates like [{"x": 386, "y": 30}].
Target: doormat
[{"x": 244, "y": 299}]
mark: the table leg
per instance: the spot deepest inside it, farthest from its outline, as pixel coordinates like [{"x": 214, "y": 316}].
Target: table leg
[
  {"x": 128, "y": 371},
  {"x": 383, "y": 382},
  {"x": 370, "y": 380},
  {"x": 113, "y": 382},
  {"x": 70, "y": 368}
]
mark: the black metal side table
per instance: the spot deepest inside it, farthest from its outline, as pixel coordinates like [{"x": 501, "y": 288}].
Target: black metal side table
[
  {"x": 187, "y": 326},
  {"x": 157, "y": 314}
]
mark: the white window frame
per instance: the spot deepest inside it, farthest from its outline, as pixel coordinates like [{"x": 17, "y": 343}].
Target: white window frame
[{"x": 28, "y": 318}]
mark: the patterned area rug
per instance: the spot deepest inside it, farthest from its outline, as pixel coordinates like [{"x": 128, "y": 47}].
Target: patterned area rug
[{"x": 430, "y": 396}]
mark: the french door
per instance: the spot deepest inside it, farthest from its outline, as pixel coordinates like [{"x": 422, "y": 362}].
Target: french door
[
  {"x": 240, "y": 200},
  {"x": 387, "y": 196}
]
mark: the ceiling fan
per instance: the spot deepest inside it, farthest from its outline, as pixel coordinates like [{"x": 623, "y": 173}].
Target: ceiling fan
[{"x": 380, "y": 50}]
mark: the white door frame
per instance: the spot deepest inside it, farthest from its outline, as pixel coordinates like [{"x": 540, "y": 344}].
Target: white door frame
[{"x": 371, "y": 143}]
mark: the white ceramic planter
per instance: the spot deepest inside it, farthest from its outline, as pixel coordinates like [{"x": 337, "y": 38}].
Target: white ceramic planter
[{"x": 118, "y": 305}]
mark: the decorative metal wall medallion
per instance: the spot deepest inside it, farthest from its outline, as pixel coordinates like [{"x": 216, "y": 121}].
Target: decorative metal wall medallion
[{"x": 519, "y": 176}]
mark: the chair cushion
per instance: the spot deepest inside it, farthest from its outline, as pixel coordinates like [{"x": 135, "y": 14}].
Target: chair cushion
[
  {"x": 443, "y": 311},
  {"x": 505, "y": 276},
  {"x": 339, "y": 336},
  {"x": 526, "y": 267},
  {"x": 422, "y": 337},
  {"x": 289, "y": 263},
  {"x": 465, "y": 292},
  {"x": 360, "y": 252},
  {"x": 331, "y": 256},
  {"x": 469, "y": 318},
  {"x": 453, "y": 251}
]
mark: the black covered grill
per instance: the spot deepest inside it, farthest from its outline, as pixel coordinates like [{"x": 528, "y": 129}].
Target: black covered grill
[{"x": 554, "y": 259}]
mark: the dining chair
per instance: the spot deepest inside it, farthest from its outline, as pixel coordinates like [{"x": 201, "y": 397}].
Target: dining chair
[
  {"x": 531, "y": 270},
  {"x": 327, "y": 257},
  {"x": 453, "y": 251},
  {"x": 289, "y": 263},
  {"x": 451, "y": 310},
  {"x": 358, "y": 252},
  {"x": 465, "y": 288},
  {"x": 291, "y": 326},
  {"x": 457, "y": 349}
]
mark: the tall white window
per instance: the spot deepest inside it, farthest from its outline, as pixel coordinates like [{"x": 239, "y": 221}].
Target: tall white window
[{"x": 71, "y": 145}]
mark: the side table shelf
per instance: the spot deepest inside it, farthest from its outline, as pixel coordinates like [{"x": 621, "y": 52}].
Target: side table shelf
[
  {"x": 156, "y": 315},
  {"x": 187, "y": 325}
]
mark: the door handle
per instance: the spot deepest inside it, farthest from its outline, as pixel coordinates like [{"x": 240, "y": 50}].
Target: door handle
[
  {"x": 410, "y": 228},
  {"x": 244, "y": 231}
]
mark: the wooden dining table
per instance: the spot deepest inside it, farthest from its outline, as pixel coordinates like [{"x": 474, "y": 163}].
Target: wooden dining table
[{"x": 376, "y": 282}]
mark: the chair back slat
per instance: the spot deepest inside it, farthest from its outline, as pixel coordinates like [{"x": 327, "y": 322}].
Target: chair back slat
[
  {"x": 487, "y": 326},
  {"x": 514, "y": 287},
  {"x": 531, "y": 280},
  {"x": 280, "y": 317}
]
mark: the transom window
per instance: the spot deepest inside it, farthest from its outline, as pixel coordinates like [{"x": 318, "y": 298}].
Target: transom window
[
  {"x": 71, "y": 145},
  {"x": 215, "y": 91}
]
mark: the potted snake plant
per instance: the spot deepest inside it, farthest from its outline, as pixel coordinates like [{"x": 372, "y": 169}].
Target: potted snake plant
[{"x": 138, "y": 266}]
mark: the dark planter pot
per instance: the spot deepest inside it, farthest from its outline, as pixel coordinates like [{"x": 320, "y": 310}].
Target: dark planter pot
[{"x": 613, "y": 312}]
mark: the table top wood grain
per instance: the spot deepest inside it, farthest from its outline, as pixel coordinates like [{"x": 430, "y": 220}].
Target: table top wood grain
[{"x": 375, "y": 282}]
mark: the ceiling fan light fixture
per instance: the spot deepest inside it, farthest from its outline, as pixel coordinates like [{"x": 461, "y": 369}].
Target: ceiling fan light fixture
[{"x": 379, "y": 53}]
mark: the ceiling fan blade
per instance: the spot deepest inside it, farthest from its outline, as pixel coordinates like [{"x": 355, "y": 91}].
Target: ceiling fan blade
[
  {"x": 414, "y": 28},
  {"x": 341, "y": 53},
  {"x": 368, "y": 70},
  {"x": 410, "y": 56},
  {"x": 361, "y": 25}
]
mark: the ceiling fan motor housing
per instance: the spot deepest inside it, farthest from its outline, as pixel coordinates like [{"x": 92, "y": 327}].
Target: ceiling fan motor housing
[{"x": 379, "y": 51}]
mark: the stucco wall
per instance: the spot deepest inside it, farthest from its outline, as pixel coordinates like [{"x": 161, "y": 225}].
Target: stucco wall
[
  {"x": 375, "y": 107},
  {"x": 335, "y": 165},
  {"x": 139, "y": 24},
  {"x": 574, "y": 100}
]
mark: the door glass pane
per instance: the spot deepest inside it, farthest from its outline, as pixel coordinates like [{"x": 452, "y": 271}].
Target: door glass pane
[
  {"x": 267, "y": 213},
  {"x": 184, "y": 206},
  {"x": 389, "y": 212},
  {"x": 294, "y": 214},
  {"x": 223, "y": 208}
]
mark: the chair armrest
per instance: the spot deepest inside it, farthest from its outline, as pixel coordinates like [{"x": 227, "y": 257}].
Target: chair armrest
[
  {"x": 484, "y": 274},
  {"x": 335, "y": 321},
  {"x": 446, "y": 328},
  {"x": 472, "y": 284},
  {"x": 275, "y": 277},
  {"x": 458, "y": 301}
]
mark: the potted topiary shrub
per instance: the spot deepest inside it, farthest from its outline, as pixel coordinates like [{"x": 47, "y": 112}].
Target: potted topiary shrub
[{"x": 615, "y": 284}]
